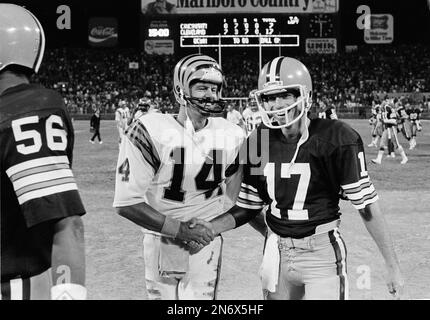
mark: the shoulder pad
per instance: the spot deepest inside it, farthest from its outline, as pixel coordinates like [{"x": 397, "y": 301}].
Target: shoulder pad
[{"x": 336, "y": 132}]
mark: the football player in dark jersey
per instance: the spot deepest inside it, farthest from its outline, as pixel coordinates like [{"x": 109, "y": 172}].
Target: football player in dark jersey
[
  {"x": 414, "y": 114},
  {"x": 403, "y": 124},
  {"x": 299, "y": 169},
  {"x": 42, "y": 236},
  {"x": 389, "y": 135}
]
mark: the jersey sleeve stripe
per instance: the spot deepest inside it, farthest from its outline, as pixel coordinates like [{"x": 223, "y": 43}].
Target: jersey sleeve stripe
[
  {"x": 140, "y": 138},
  {"x": 369, "y": 198},
  {"x": 245, "y": 189},
  {"x": 36, "y": 163},
  {"x": 249, "y": 197},
  {"x": 365, "y": 202},
  {"x": 249, "y": 206},
  {"x": 39, "y": 193},
  {"x": 356, "y": 184},
  {"x": 359, "y": 188},
  {"x": 44, "y": 184},
  {"x": 41, "y": 169},
  {"x": 361, "y": 193},
  {"x": 249, "y": 187}
]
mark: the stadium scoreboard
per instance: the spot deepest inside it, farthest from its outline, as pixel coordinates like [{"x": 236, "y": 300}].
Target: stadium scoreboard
[{"x": 240, "y": 31}]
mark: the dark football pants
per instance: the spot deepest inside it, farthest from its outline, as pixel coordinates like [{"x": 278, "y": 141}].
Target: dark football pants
[
  {"x": 312, "y": 268},
  {"x": 96, "y": 134},
  {"x": 34, "y": 288}
]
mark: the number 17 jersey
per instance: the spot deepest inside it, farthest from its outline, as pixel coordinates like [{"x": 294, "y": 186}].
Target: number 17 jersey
[
  {"x": 181, "y": 175},
  {"x": 330, "y": 165}
]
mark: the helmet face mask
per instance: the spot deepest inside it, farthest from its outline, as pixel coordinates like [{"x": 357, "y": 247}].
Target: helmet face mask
[
  {"x": 279, "y": 80},
  {"x": 284, "y": 104},
  {"x": 195, "y": 69},
  {"x": 22, "y": 38},
  {"x": 207, "y": 105}
]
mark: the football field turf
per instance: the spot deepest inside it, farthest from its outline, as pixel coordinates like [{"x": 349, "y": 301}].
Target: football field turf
[{"x": 115, "y": 268}]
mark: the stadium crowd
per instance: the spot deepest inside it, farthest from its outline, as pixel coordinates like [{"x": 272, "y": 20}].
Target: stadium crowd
[{"x": 92, "y": 79}]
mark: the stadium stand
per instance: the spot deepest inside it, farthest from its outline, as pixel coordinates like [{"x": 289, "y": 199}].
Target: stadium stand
[{"x": 91, "y": 78}]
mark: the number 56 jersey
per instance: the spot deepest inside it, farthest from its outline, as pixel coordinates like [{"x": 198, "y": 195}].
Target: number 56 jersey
[
  {"x": 36, "y": 181},
  {"x": 329, "y": 165},
  {"x": 181, "y": 175}
]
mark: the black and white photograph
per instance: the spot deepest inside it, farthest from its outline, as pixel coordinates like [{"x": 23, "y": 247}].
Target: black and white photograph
[{"x": 247, "y": 151}]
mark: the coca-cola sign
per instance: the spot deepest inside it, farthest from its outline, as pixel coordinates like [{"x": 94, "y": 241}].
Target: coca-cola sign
[{"x": 103, "y": 32}]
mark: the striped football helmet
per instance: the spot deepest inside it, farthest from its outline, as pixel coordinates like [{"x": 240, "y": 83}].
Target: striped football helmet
[
  {"x": 281, "y": 76},
  {"x": 22, "y": 38},
  {"x": 198, "y": 68}
]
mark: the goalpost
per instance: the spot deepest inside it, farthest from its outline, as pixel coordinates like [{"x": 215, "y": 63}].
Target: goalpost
[{"x": 238, "y": 103}]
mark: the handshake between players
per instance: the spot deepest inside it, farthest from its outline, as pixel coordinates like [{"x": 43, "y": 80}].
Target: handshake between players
[{"x": 200, "y": 234}]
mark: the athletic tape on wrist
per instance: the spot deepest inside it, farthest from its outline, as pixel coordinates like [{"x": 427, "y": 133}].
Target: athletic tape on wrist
[
  {"x": 171, "y": 227},
  {"x": 68, "y": 291}
]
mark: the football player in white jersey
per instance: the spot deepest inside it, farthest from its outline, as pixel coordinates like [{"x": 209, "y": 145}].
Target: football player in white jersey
[
  {"x": 121, "y": 118},
  {"x": 377, "y": 125},
  {"x": 172, "y": 172},
  {"x": 251, "y": 114}
]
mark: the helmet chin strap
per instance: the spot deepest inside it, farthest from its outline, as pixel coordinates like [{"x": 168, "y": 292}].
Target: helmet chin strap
[
  {"x": 304, "y": 130},
  {"x": 190, "y": 130},
  {"x": 189, "y": 127}
]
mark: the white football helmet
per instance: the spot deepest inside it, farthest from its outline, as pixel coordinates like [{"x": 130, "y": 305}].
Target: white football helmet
[
  {"x": 198, "y": 68},
  {"x": 281, "y": 76},
  {"x": 22, "y": 41}
]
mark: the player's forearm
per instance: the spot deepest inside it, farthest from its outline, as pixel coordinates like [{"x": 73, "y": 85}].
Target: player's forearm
[
  {"x": 143, "y": 215},
  {"x": 147, "y": 217},
  {"x": 376, "y": 225},
  {"x": 233, "y": 218},
  {"x": 68, "y": 252},
  {"x": 259, "y": 224}
]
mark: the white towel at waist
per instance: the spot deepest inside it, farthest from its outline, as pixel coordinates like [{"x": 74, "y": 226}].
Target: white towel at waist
[{"x": 269, "y": 269}]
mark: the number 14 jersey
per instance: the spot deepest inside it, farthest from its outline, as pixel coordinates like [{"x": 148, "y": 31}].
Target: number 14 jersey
[
  {"x": 182, "y": 175},
  {"x": 329, "y": 165}
]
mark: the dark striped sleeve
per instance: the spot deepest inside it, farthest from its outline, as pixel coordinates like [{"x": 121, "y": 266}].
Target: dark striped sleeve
[
  {"x": 249, "y": 198},
  {"x": 141, "y": 139},
  {"x": 354, "y": 178}
]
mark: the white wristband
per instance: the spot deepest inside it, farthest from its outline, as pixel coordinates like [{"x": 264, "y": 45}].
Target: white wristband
[
  {"x": 171, "y": 227},
  {"x": 68, "y": 291}
]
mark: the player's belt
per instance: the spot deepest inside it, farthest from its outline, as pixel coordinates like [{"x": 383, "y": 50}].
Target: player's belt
[{"x": 288, "y": 242}]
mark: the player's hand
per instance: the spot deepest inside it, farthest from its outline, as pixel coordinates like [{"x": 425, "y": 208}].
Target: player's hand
[
  {"x": 395, "y": 282},
  {"x": 198, "y": 233},
  {"x": 194, "y": 222},
  {"x": 194, "y": 247}
]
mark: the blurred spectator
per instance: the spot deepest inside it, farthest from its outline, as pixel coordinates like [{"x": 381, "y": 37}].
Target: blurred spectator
[
  {"x": 95, "y": 127},
  {"x": 101, "y": 78},
  {"x": 234, "y": 116}
]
